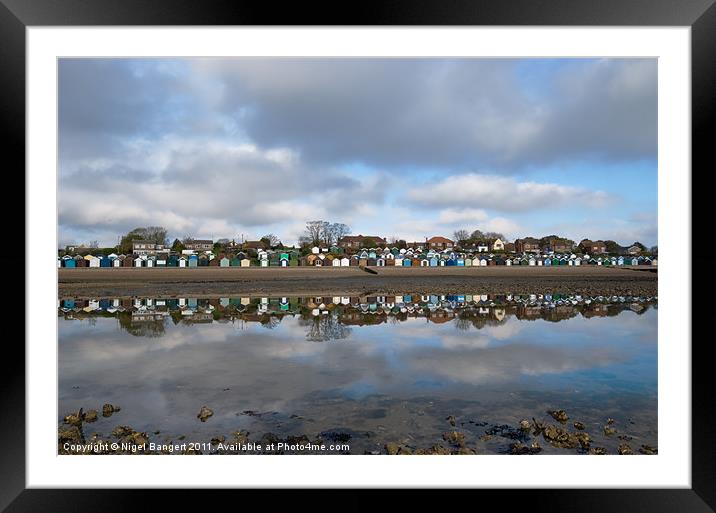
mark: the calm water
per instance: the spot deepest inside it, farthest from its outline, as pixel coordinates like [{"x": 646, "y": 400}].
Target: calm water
[{"x": 367, "y": 370}]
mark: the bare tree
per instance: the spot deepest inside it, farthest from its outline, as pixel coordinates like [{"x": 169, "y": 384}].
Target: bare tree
[
  {"x": 315, "y": 231},
  {"x": 271, "y": 239},
  {"x": 338, "y": 231},
  {"x": 461, "y": 234}
]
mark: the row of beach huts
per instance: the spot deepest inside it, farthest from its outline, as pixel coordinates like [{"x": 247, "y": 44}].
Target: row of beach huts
[{"x": 366, "y": 258}]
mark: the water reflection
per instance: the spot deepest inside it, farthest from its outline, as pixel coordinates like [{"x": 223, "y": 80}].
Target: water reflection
[
  {"x": 385, "y": 368},
  {"x": 330, "y": 318}
]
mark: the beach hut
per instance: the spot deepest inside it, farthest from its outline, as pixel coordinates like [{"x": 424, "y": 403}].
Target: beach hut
[
  {"x": 203, "y": 261},
  {"x": 68, "y": 262},
  {"x": 634, "y": 261},
  {"x": 193, "y": 261},
  {"x": 424, "y": 262},
  {"x": 380, "y": 262},
  {"x": 182, "y": 261},
  {"x": 172, "y": 261},
  {"x": 138, "y": 262},
  {"x": 224, "y": 261},
  {"x": 654, "y": 262},
  {"x": 117, "y": 262},
  {"x": 508, "y": 261},
  {"x": 150, "y": 261},
  {"x": 92, "y": 261},
  {"x": 620, "y": 260},
  {"x": 407, "y": 262},
  {"x": 483, "y": 262},
  {"x": 345, "y": 261},
  {"x": 105, "y": 261},
  {"x": 235, "y": 262},
  {"x": 372, "y": 262},
  {"x": 460, "y": 262},
  {"x": 245, "y": 262},
  {"x": 336, "y": 262}
]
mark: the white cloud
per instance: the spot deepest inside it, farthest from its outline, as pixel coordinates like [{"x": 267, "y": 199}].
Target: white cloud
[{"x": 476, "y": 191}]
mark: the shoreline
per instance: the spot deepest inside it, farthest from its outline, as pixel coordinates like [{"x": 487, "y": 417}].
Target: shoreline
[{"x": 87, "y": 283}]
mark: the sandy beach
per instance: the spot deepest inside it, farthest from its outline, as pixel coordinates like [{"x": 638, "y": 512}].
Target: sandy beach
[{"x": 308, "y": 281}]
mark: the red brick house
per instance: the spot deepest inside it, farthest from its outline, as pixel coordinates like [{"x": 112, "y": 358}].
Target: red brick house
[
  {"x": 440, "y": 243},
  {"x": 593, "y": 247},
  {"x": 527, "y": 245},
  {"x": 356, "y": 241}
]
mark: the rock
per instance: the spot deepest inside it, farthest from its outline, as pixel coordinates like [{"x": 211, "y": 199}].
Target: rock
[
  {"x": 218, "y": 440},
  {"x": 269, "y": 438},
  {"x": 486, "y": 438},
  {"x": 109, "y": 409},
  {"x": 74, "y": 419},
  {"x": 438, "y": 449},
  {"x": 625, "y": 449},
  {"x": 122, "y": 431},
  {"x": 182, "y": 437},
  {"x": 454, "y": 438},
  {"x": 558, "y": 437},
  {"x": 578, "y": 425},
  {"x": 451, "y": 420},
  {"x": 584, "y": 440},
  {"x": 647, "y": 449},
  {"x": 610, "y": 421},
  {"x": 204, "y": 414},
  {"x": 626, "y": 438},
  {"x": 70, "y": 435},
  {"x": 520, "y": 448},
  {"x": 90, "y": 416},
  {"x": 559, "y": 415},
  {"x": 535, "y": 447},
  {"x": 241, "y": 437},
  {"x": 525, "y": 425},
  {"x": 465, "y": 450},
  {"x": 392, "y": 448},
  {"x": 609, "y": 431},
  {"x": 300, "y": 439},
  {"x": 597, "y": 450}
]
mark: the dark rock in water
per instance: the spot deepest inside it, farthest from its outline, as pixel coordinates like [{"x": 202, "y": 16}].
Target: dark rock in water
[
  {"x": 241, "y": 437},
  {"x": 558, "y": 437},
  {"x": 520, "y": 448},
  {"x": 454, "y": 438},
  {"x": 465, "y": 450},
  {"x": 579, "y": 425},
  {"x": 269, "y": 438},
  {"x": 485, "y": 437},
  {"x": 559, "y": 415},
  {"x": 506, "y": 431},
  {"x": 71, "y": 435},
  {"x": 250, "y": 413},
  {"x": 204, "y": 414},
  {"x": 393, "y": 448},
  {"x": 625, "y": 449},
  {"x": 109, "y": 409},
  {"x": 435, "y": 449},
  {"x": 182, "y": 437},
  {"x": 122, "y": 431},
  {"x": 157, "y": 432},
  {"x": 451, "y": 420},
  {"x": 74, "y": 419},
  {"x": 597, "y": 450},
  {"x": 610, "y": 421},
  {"x": 647, "y": 449},
  {"x": 525, "y": 425},
  {"x": 301, "y": 439},
  {"x": 626, "y": 438},
  {"x": 584, "y": 440},
  {"x": 335, "y": 436},
  {"x": 90, "y": 416},
  {"x": 609, "y": 431}
]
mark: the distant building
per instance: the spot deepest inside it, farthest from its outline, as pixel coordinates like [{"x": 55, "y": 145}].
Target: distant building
[
  {"x": 357, "y": 241},
  {"x": 148, "y": 248},
  {"x": 527, "y": 245},
  {"x": 593, "y": 247},
  {"x": 199, "y": 245},
  {"x": 440, "y": 243}
]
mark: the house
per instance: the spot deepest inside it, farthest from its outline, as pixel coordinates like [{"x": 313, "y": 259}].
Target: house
[
  {"x": 199, "y": 245},
  {"x": 527, "y": 245},
  {"x": 498, "y": 245},
  {"x": 634, "y": 249},
  {"x": 598, "y": 247},
  {"x": 147, "y": 247},
  {"x": 357, "y": 241},
  {"x": 509, "y": 247},
  {"x": 440, "y": 243}
]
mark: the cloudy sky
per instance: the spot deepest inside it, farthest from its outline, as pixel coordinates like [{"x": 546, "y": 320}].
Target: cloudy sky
[{"x": 410, "y": 148}]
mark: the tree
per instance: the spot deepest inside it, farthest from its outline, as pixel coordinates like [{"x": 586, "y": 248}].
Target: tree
[
  {"x": 336, "y": 232},
  {"x": 368, "y": 243},
  {"x": 155, "y": 234},
  {"x": 94, "y": 244},
  {"x": 177, "y": 246},
  {"x": 460, "y": 235},
  {"x": 495, "y": 235},
  {"x": 477, "y": 234},
  {"x": 271, "y": 240},
  {"x": 315, "y": 231}
]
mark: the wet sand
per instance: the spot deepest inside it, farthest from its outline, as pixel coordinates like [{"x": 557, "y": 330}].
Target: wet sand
[{"x": 312, "y": 281}]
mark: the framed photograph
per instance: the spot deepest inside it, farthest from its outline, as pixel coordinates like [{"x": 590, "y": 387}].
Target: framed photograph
[{"x": 284, "y": 246}]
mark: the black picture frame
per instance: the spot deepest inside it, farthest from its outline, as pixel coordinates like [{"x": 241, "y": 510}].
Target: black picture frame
[{"x": 17, "y": 15}]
